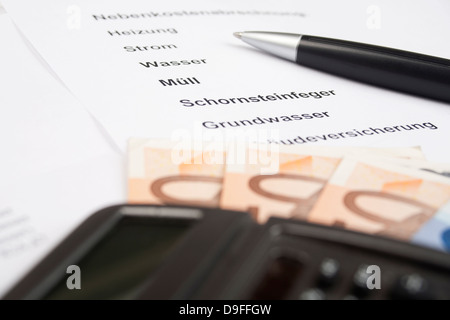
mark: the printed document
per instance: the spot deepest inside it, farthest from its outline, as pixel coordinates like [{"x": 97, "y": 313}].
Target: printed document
[
  {"x": 171, "y": 69},
  {"x": 56, "y": 166}
]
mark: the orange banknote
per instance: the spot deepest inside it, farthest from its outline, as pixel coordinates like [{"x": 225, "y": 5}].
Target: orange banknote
[
  {"x": 291, "y": 188},
  {"x": 380, "y": 198},
  {"x": 161, "y": 172},
  {"x": 287, "y": 182}
]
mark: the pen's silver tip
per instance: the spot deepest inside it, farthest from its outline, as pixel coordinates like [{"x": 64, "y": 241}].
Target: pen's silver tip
[{"x": 238, "y": 35}]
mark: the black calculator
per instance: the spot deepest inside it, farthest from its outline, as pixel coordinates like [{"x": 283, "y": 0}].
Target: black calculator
[{"x": 189, "y": 253}]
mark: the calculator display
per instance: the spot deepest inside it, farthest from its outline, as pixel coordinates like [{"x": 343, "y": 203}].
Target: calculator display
[{"x": 121, "y": 262}]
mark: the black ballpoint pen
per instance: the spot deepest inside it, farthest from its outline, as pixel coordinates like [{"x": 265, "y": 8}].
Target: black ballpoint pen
[{"x": 395, "y": 69}]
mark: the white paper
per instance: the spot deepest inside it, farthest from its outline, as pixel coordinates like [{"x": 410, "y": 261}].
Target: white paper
[
  {"x": 132, "y": 98},
  {"x": 56, "y": 166}
]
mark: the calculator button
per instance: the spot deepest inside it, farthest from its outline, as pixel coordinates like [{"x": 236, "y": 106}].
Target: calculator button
[
  {"x": 313, "y": 294},
  {"x": 329, "y": 271},
  {"x": 360, "y": 280},
  {"x": 412, "y": 286}
]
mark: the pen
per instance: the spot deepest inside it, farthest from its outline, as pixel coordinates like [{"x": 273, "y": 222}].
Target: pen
[{"x": 395, "y": 69}]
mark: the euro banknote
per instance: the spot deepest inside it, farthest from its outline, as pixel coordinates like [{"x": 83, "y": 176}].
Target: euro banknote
[
  {"x": 297, "y": 178},
  {"x": 163, "y": 172},
  {"x": 380, "y": 198},
  {"x": 393, "y": 192}
]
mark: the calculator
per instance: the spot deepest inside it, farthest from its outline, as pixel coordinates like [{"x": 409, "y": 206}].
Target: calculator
[{"x": 191, "y": 253}]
